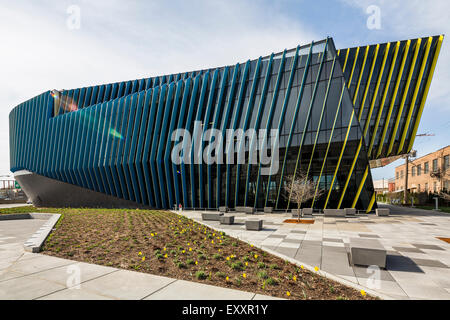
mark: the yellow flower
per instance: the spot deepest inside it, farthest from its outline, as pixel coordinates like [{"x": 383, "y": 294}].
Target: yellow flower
[
  {"x": 228, "y": 258},
  {"x": 294, "y": 278},
  {"x": 140, "y": 253},
  {"x": 246, "y": 264},
  {"x": 214, "y": 234},
  {"x": 196, "y": 262},
  {"x": 219, "y": 250},
  {"x": 227, "y": 278},
  {"x": 183, "y": 251},
  {"x": 155, "y": 233},
  {"x": 363, "y": 293},
  {"x": 316, "y": 269},
  {"x": 256, "y": 256},
  {"x": 143, "y": 258},
  {"x": 251, "y": 245},
  {"x": 164, "y": 249},
  {"x": 302, "y": 267},
  {"x": 165, "y": 256},
  {"x": 152, "y": 234},
  {"x": 212, "y": 241},
  {"x": 244, "y": 275},
  {"x": 190, "y": 249},
  {"x": 189, "y": 244},
  {"x": 288, "y": 293}
]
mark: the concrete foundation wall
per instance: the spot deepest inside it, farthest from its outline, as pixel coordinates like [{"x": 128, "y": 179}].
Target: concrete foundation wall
[{"x": 46, "y": 192}]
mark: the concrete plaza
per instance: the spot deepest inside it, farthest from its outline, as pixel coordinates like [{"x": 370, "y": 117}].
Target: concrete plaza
[{"x": 418, "y": 264}]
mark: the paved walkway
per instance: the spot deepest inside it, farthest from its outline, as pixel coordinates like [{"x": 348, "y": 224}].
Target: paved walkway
[
  {"x": 26, "y": 275},
  {"x": 13, "y": 205},
  {"x": 417, "y": 262}
]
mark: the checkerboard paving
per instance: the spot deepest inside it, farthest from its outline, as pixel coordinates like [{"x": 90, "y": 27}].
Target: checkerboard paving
[{"x": 418, "y": 264}]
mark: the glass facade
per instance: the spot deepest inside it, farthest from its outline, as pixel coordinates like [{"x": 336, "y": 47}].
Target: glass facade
[{"x": 333, "y": 111}]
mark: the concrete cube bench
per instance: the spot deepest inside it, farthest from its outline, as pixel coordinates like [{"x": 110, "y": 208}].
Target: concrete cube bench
[
  {"x": 350, "y": 211},
  {"x": 307, "y": 211},
  {"x": 367, "y": 252},
  {"x": 223, "y": 209},
  {"x": 255, "y": 225},
  {"x": 250, "y": 210},
  {"x": 382, "y": 212},
  {"x": 334, "y": 212},
  {"x": 211, "y": 216},
  {"x": 227, "y": 220},
  {"x": 245, "y": 209},
  {"x": 296, "y": 213},
  {"x": 268, "y": 209}
]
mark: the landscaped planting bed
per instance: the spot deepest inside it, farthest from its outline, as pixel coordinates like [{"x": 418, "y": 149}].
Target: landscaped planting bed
[{"x": 164, "y": 243}]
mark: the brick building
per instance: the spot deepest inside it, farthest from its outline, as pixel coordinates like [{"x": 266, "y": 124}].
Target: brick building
[{"x": 429, "y": 173}]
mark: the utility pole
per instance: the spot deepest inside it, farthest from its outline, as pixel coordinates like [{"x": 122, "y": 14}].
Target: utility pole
[
  {"x": 405, "y": 189},
  {"x": 412, "y": 153}
]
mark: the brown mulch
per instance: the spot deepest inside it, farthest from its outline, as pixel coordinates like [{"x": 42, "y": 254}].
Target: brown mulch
[{"x": 164, "y": 243}]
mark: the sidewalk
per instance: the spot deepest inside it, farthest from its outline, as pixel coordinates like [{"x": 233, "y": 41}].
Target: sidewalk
[{"x": 26, "y": 276}]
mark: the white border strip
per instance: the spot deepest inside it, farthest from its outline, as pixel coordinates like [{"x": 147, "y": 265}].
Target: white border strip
[{"x": 36, "y": 241}]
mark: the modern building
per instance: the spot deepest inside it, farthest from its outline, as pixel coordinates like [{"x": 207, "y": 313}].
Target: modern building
[
  {"x": 333, "y": 112},
  {"x": 430, "y": 173}
]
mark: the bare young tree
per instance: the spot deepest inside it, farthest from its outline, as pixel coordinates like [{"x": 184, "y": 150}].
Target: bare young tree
[
  {"x": 300, "y": 189},
  {"x": 444, "y": 196}
]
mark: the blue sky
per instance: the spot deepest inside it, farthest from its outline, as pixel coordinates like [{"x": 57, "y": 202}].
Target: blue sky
[{"x": 119, "y": 40}]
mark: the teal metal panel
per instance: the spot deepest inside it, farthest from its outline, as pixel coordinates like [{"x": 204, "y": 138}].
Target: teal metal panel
[
  {"x": 162, "y": 142},
  {"x": 205, "y": 123},
  {"x": 167, "y": 156},
  {"x": 122, "y": 146},
  {"x": 118, "y": 107},
  {"x": 187, "y": 126},
  {"x": 134, "y": 141},
  {"x": 245, "y": 126},
  {"x": 128, "y": 141},
  {"x": 296, "y": 111},
  {"x": 235, "y": 124},
  {"x": 176, "y": 172},
  {"x": 257, "y": 123},
  {"x": 217, "y": 115},
  {"x": 198, "y": 117},
  {"x": 148, "y": 142},
  {"x": 99, "y": 175},
  {"x": 139, "y": 152},
  {"x": 106, "y": 141},
  {"x": 283, "y": 110},
  {"x": 308, "y": 116},
  {"x": 155, "y": 136},
  {"x": 110, "y": 150},
  {"x": 270, "y": 118},
  {"x": 228, "y": 110}
]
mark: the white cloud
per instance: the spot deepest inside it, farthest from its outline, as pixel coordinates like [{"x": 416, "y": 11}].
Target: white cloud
[{"x": 118, "y": 42}]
